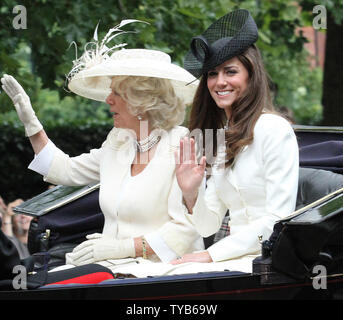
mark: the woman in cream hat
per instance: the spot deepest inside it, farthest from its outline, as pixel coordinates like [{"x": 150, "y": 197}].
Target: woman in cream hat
[
  {"x": 139, "y": 195},
  {"x": 255, "y": 172}
]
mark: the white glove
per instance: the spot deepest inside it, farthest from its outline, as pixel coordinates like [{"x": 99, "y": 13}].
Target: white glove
[
  {"x": 100, "y": 248},
  {"x": 22, "y": 104}
]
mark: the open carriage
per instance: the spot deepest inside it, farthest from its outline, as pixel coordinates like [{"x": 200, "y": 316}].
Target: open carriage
[{"x": 301, "y": 260}]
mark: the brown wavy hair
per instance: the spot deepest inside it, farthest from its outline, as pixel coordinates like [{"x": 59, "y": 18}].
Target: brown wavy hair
[{"x": 245, "y": 111}]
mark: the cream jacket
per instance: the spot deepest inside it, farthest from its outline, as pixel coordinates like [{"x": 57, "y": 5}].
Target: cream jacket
[
  {"x": 148, "y": 204},
  {"x": 258, "y": 190}
]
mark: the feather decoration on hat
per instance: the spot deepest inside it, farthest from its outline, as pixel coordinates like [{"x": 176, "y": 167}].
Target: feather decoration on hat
[{"x": 95, "y": 53}]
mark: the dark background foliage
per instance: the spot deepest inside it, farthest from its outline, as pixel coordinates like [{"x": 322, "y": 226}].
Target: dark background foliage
[{"x": 16, "y": 153}]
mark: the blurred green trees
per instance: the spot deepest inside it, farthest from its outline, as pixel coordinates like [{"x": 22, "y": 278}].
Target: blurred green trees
[{"x": 40, "y": 56}]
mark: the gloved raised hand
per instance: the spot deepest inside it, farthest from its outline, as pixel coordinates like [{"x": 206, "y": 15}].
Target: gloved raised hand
[
  {"x": 22, "y": 104},
  {"x": 100, "y": 247}
]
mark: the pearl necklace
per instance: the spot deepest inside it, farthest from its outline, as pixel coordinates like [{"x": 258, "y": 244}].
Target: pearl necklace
[{"x": 147, "y": 143}]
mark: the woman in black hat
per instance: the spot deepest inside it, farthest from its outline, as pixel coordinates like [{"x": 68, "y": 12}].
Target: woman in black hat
[{"x": 255, "y": 172}]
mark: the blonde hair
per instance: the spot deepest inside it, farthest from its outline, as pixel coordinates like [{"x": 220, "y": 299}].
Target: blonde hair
[{"x": 153, "y": 97}]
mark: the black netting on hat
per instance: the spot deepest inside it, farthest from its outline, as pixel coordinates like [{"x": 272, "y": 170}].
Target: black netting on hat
[{"x": 229, "y": 36}]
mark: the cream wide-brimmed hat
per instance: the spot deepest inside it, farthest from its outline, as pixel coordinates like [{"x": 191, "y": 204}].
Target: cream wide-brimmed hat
[
  {"x": 92, "y": 73},
  {"x": 94, "y": 82}
]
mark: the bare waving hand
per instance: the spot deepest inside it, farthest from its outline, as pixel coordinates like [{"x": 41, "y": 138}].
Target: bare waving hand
[{"x": 189, "y": 173}]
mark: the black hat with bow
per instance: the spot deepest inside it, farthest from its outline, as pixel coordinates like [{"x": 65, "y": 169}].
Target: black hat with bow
[{"x": 226, "y": 38}]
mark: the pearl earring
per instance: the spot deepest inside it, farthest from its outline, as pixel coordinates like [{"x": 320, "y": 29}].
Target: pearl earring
[{"x": 139, "y": 117}]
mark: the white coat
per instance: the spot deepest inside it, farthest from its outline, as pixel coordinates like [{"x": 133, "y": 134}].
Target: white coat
[
  {"x": 258, "y": 190},
  {"x": 148, "y": 204}
]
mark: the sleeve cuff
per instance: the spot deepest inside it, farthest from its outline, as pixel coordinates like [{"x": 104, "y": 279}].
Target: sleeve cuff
[
  {"x": 42, "y": 161},
  {"x": 160, "y": 247}
]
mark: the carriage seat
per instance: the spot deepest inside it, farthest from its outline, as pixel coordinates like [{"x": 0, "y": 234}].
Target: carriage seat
[{"x": 315, "y": 184}]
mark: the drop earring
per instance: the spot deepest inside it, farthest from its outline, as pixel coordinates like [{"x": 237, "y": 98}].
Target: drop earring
[{"x": 139, "y": 117}]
